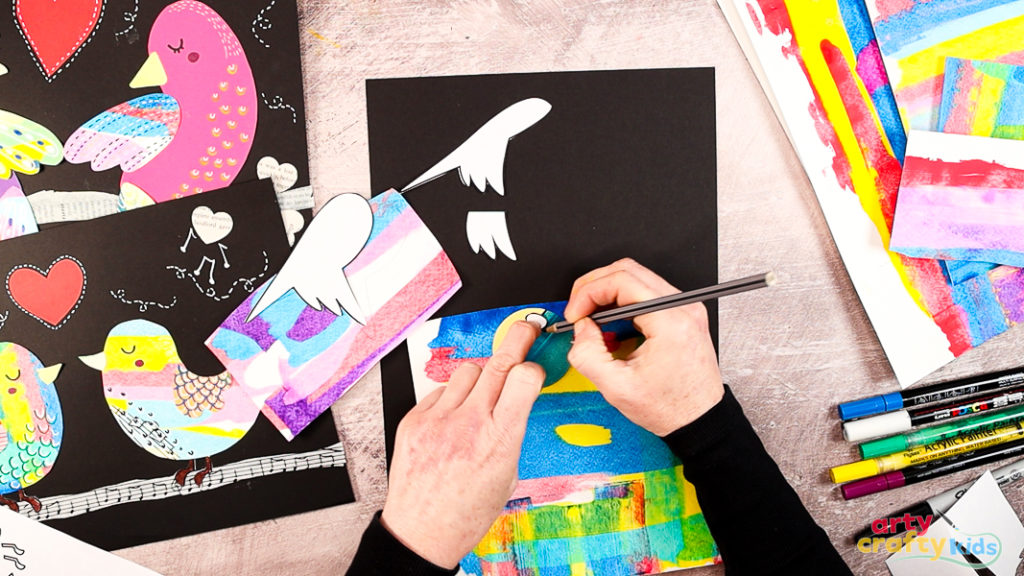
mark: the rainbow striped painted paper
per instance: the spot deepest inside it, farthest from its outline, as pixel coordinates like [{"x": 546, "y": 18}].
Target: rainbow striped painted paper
[
  {"x": 982, "y": 99},
  {"x": 916, "y": 36},
  {"x": 597, "y": 495},
  {"x": 296, "y": 360}
]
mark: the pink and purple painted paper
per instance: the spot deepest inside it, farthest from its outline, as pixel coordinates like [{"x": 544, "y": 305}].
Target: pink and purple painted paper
[
  {"x": 961, "y": 198},
  {"x": 296, "y": 360}
]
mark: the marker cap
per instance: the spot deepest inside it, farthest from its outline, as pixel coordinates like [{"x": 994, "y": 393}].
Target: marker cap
[
  {"x": 883, "y": 446},
  {"x": 871, "y": 406},
  {"x": 874, "y": 484},
  {"x": 853, "y": 471},
  {"x": 875, "y": 426}
]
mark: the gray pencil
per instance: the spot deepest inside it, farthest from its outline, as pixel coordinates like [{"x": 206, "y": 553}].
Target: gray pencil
[{"x": 681, "y": 299}]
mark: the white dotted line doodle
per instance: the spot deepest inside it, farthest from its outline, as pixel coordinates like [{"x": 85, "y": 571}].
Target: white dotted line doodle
[
  {"x": 143, "y": 305},
  {"x": 3, "y": 319},
  {"x": 72, "y": 52},
  {"x": 263, "y": 23},
  {"x": 277, "y": 103},
  {"x": 247, "y": 284},
  {"x": 81, "y": 296},
  {"x": 130, "y": 18}
]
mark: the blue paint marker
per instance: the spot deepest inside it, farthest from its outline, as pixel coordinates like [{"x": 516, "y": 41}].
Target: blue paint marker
[{"x": 934, "y": 393}]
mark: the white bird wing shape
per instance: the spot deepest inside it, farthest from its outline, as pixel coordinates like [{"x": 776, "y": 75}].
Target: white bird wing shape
[
  {"x": 487, "y": 230},
  {"x": 481, "y": 158},
  {"x": 315, "y": 269}
]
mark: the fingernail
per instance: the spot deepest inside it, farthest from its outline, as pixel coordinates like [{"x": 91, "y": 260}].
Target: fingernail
[{"x": 537, "y": 321}]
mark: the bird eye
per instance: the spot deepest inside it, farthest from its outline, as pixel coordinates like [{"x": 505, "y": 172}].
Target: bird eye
[
  {"x": 15, "y": 377},
  {"x": 132, "y": 351},
  {"x": 180, "y": 46}
]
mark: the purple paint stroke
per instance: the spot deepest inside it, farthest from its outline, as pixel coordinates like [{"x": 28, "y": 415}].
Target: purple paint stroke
[
  {"x": 298, "y": 415},
  {"x": 257, "y": 329},
  {"x": 311, "y": 323},
  {"x": 1009, "y": 287}
]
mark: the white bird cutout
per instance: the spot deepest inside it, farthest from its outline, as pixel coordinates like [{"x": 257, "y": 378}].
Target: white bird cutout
[
  {"x": 481, "y": 158},
  {"x": 316, "y": 268},
  {"x": 481, "y": 161}
]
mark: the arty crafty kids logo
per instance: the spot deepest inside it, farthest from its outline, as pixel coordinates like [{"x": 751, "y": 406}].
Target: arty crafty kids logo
[{"x": 909, "y": 534}]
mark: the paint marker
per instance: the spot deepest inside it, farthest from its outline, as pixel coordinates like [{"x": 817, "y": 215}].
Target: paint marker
[
  {"x": 979, "y": 423},
  {"x": 932, "y": 470},
  {"x": 927, "y": 453},
  {"x": 944, "y": 501},
  {"x": 935, "y": 393},
  {"x": 896, "y": 422}
]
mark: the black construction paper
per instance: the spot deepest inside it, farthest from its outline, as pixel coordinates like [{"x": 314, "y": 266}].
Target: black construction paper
[
  {"x": 132, "y": 252},
  {"x": 622, "y": 165}
]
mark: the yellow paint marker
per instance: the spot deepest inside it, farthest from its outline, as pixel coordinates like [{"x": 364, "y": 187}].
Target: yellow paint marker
[{"x": 927, "y": 453}]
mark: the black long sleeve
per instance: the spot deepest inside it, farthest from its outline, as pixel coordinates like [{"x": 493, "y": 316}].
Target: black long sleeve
[
  {"x": 755, "y": 516},
  {"x": 381, "y": 554}
]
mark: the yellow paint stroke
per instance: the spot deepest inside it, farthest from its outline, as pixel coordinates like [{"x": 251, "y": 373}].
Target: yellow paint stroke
[
  {"x": 814, "y": 23},
  {"x": 989, "y": 43},
  {"x": 988, "y": 96},
  {"x": 322, "y": 38},
  {"x": 585, "y": 435},
  {"x": 214, "y": 431}
]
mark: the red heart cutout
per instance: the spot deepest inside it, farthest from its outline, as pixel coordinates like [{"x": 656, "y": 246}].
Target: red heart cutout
[
  {"x": 51, "y": 296},
  {"x": 55, "y": 30}
]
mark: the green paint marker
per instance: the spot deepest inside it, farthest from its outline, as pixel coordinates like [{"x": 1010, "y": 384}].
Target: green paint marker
[{"x": 980, "y": 423}]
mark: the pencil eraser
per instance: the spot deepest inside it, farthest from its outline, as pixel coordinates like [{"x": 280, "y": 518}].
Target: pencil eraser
[
  {"x": 871, "y": 406},
  {"x": 872, "y": 485},
  {"x": 876, "y": 426}
]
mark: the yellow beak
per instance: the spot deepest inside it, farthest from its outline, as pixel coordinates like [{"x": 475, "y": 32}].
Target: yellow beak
[
  {"x": 96, "y": 361},
  {"x": 50, "y": 373},
  {"x": 119, "y": 403},
  {"x": 151, "y": 74}
]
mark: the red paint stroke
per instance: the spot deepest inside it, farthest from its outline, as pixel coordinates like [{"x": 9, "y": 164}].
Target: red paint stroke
[
  {"x": 961, "y": 113},
  {"x": 963, "y": 174},
  {"x": 870, "y": 138},
  {"x": 778, "y": 22},
  {"x": 55, "y": 30},
  {"x": 49, "y": 296},
  {"x": 754, "y": 19},
  {"x": 442, "y": 365}
]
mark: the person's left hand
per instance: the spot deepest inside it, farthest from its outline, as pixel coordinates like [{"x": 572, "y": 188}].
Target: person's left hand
[{"x": 457, "y": 453}]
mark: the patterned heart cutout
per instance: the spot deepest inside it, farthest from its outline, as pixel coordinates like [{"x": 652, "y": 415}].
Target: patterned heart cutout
[
  {"x": 56, "y": 30},
  {"x": 51, "y": 296}
]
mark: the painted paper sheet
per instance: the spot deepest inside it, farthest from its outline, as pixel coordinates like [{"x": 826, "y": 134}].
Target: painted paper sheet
[
  {"x": 300, "y": 359},
  {"x": 597, "y": 494},
  {"x": 916, "y": 36},
  {"x": 961, "y": 198},
  {"x": 114, "y": 412},
  {"x": 982, "y": 99},
  {"x": 822, "y": 64},
  {"x": 586, "y": 181},
  {"x": 155, "y": 100}
]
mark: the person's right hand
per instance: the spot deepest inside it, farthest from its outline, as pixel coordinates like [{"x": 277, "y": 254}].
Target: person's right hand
[{"x": 673, "y": 377}]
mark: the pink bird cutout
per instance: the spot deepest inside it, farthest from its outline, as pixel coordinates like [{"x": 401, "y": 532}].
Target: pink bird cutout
[{"x": 197, "y": 134}]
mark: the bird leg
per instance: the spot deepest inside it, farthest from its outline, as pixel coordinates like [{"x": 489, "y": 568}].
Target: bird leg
[
  {"x": 202, "y": 473},
  {"x": 183, "y": 473},
  {"x": 32, "y": 501},
  {"x": 10, "y": 504}
]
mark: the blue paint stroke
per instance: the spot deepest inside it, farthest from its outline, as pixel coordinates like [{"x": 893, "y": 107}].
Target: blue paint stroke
[{"x": 932, "y": 22}]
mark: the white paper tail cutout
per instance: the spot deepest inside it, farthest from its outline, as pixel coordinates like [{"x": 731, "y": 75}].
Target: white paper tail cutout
[
  {"x": 315, "y": 269},
  {"x": 71, "y": 505},
  {"x": 481, "y": 158},
  {"x": 485, "y": 230}
]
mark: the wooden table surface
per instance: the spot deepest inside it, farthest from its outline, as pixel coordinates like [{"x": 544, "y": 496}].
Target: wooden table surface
[{"x": 790, "y": 353}]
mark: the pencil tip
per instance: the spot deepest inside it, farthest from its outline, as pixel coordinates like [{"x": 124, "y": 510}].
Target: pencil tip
[{"x": 770, "y": 279}]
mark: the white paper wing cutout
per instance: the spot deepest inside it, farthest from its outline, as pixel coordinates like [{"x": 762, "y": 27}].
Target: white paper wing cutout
[
  {"x": 487, "y": 230},
  {"x": 315, "y": 269},
  {"x": 481, "y": 158}
]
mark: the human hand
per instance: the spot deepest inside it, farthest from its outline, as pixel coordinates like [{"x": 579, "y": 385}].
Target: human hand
[
  {"x": 673, "y": 377},
  {"x": 457, "y": 453}
]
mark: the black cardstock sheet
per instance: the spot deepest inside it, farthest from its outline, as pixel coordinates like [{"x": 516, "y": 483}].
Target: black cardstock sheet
[
  {"x": 623, "y": 165},
  {"x": 149, "y": 263},
  {"x": 97, "y": 78}
]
